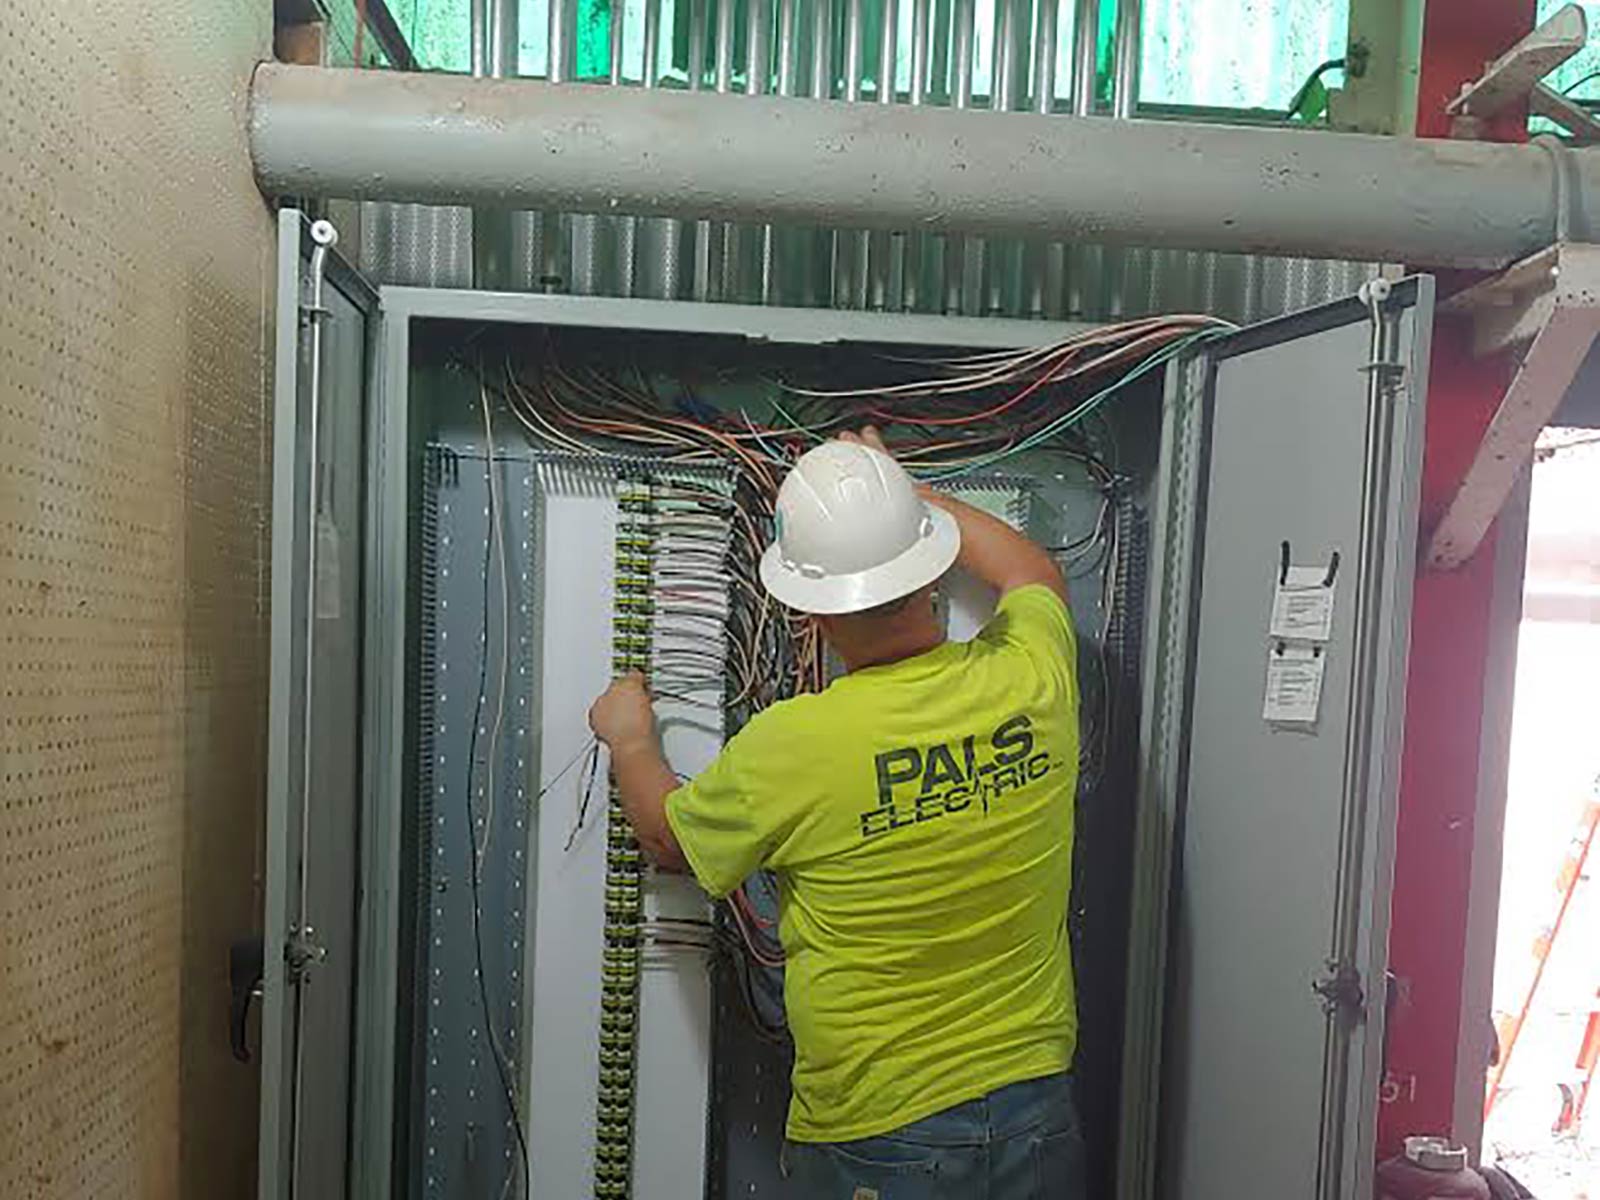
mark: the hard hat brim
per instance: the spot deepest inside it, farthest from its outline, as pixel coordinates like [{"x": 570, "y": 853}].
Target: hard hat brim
[{"x": 833, "y": 595}]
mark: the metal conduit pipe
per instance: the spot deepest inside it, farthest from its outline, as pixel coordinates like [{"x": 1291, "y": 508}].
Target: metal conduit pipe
[
  {"x": 525, "y": 144},
  {"x": 1085, "y": 55},
  {"x": 1125, "y": 58}
]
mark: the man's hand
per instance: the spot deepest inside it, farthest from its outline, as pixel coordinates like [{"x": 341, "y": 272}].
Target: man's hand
[
  {"x": 990, "y": 549},
  {"x": 622, "y": 716},
  {"x": 623, "y": 719},
  {"x": 868, "y": 436}
]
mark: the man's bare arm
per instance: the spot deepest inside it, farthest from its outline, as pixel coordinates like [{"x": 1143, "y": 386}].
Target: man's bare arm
[
  {"x": 996, "y": 553},
  {"x": 991, "y": 550},
  {"x": 623, "y": 719}
]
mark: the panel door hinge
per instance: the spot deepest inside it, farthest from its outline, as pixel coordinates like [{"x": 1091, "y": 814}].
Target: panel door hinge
[
  {"x": 1390, "y": 372},
  {"x": 324, "y": 237},
  {"x": 1340, "y": 989},
  {"x": 301, "y": 952}
]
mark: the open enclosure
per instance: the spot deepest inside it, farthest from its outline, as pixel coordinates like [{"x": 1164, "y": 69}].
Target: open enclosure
[{"x": 518, "y": 496}]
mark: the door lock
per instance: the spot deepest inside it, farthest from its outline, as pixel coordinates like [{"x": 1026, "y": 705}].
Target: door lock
[
  {"x": 1340, "y": 988},
  {"x": 301, "y": 952}
]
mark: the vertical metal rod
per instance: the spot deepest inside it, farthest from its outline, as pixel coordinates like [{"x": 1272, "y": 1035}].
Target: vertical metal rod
[
  {"x": 921, "y": 13},
  {"x": 554, "y": 232},
  {"x": 757, "y": 78},
  {"x": 560, "y": 41},
  {"x": 1044, "y": 57},
  {"x": 652, "y": 41},
  {"x": 916, "y": 261},
  {"x": 478, "y": 35},
  {"x": 1082, "y": 265},
  {"x": 1085, "y": 55},
  {"x": 503, "y": 40},
  {"x": 1004, "y": 98},
  {"x": 1124, "y": 102},
  {"x": 955, "y": 247},
  {"x": 698, "y": 32},
  {"x": 726, "y": 11},
  {"x": 822, "y": 50},
  {"x": 819, "y": 269},
  {"x": 787, "y": 69},
  {"x": 939, "y": 53},
  {"x": 664, "y": 237},
  {"x": 788, "y": 48},
  {"x": 853, "y": 50},
  {"x": 704, "y": 231},
  {"x": 1000, "y": 258},
  {"x": 624, "y": 229},
  {"x": 484, "y": 222},
  {"x": 1383, "y": 378},
  {"x": 888, "y": 47},
  {"x": 494, "y": 53},
  {"x": 849, "y": 265},
  {"x": 713, "y": 251},
  {"x": 618, "y": 15},
  {"x": 1045, "y": 262},
  {"x": 885, "y": 252},
  {"x": 758, "y": 48},
  {"x": 1125, "y": 64}
]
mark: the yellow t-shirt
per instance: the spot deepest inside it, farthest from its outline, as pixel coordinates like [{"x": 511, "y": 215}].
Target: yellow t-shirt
[{"x": 919, "y": 816}]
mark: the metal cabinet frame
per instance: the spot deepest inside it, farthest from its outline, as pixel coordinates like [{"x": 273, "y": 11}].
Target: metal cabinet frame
[{"x": 392, "y": 457}]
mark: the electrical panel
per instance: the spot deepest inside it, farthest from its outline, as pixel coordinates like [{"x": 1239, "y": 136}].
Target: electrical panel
[
  {"x": 559, "y": 490},
  {"x": 562, "y": 543}
]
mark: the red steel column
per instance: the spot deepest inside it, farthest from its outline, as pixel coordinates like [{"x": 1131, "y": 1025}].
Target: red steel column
[{"x": 1449, "y": 648}]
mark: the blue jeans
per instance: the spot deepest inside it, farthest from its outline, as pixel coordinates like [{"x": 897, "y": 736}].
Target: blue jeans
[{"x": 1021, "y": 1142}]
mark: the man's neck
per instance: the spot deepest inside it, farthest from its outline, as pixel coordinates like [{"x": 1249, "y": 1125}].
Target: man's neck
[{"x": 893, "y": 649}]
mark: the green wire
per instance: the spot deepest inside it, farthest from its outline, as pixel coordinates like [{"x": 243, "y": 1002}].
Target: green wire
[
  {"x": 809, "y": 431},
  {"x": 1084, "y": 407}
]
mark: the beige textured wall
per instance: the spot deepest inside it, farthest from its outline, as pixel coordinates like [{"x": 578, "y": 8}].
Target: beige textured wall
[{"x": 135, "y": 260}]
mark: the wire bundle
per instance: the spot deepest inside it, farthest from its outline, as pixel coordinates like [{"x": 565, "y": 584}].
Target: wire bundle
[{"x": 944, "y": 417}]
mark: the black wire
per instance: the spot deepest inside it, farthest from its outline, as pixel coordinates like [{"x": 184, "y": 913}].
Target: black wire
[
  {"x": 472, "y": 842},
  {"x": 1572, "y": 87},
  {"x": 592, "y": 767}
]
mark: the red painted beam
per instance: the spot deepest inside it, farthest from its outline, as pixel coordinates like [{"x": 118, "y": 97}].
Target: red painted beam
[{"x": 1449, "y": 649}]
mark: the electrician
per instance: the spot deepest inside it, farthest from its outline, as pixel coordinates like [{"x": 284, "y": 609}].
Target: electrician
[{"x": 919, "y": 816}]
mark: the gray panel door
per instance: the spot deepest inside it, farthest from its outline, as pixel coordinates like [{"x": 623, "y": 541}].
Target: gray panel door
[
  {"x": 1305, "y": 466},
  {"x": 325, "y": 325}
]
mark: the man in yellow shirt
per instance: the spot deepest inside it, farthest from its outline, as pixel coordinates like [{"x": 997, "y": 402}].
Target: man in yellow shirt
[{"x": 918, "y": 814}]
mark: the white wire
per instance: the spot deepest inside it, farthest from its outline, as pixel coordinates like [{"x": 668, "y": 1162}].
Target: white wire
[{"x": 496, "y": 519}]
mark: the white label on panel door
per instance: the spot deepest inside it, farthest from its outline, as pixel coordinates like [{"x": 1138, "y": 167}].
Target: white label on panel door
[
  {"x": 1302, "y": 605},
  {"x": 1294, "y": 684}
]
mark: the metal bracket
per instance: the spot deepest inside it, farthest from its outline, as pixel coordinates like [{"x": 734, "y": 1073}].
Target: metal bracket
[
  {"x": 1577, "y": 120},
  {"x": 1339, "y": 987},
  {"x": 301, "y": 953},
  {"x": 1547, "y": 309},
  {"x": 1514, "y": 74}
]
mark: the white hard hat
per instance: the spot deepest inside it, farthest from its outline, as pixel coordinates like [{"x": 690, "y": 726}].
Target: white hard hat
[{"x": 853, "y": 533}]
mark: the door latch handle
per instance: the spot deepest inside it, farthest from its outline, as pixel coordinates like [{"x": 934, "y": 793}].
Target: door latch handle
[
  {"x": 246, "y": 961},
  {"x": 1339, "y": 988}
]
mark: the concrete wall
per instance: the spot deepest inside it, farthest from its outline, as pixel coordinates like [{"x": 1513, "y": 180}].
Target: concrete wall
[{"x": 134, "y": 269}]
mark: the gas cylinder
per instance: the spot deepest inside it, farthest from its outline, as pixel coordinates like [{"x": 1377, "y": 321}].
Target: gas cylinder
[{"x": 1430, "y": 1169}]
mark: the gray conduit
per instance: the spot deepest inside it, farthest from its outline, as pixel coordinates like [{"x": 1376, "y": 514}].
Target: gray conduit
[{"x": 525, "y": 144}]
